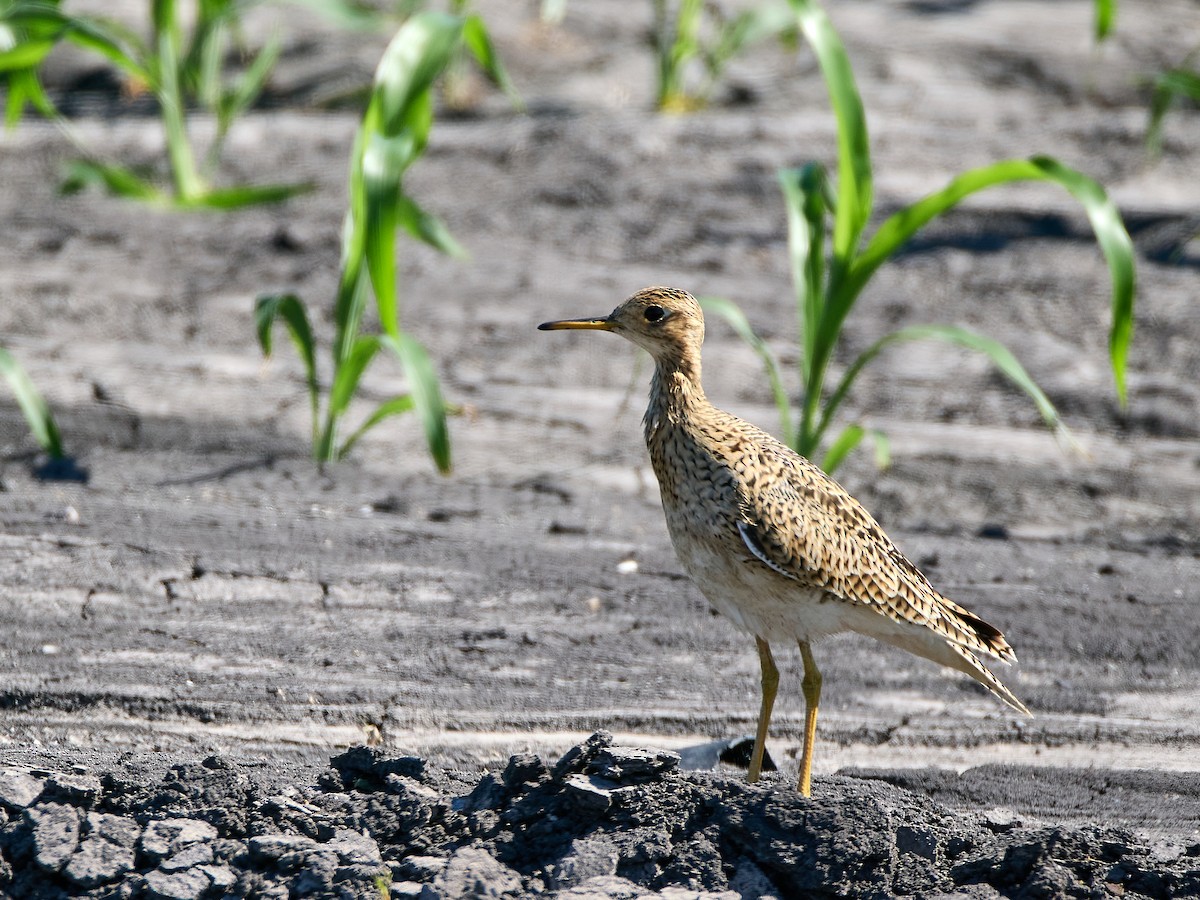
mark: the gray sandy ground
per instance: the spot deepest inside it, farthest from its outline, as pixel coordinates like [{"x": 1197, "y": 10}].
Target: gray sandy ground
[{"x": 209, "y": 592}]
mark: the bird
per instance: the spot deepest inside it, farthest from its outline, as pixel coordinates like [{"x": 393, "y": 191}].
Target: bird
[{"x": 773, "y": 542}]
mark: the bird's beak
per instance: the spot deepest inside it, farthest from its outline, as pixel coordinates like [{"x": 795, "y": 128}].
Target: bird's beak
[{"x": 603, "y": 324}]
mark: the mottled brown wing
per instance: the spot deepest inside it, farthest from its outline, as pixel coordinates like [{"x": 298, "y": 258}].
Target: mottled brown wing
[{"x": 803, "y": 524}]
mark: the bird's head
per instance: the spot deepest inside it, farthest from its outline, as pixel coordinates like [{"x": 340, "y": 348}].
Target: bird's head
[{"x": 664, "y": 321}]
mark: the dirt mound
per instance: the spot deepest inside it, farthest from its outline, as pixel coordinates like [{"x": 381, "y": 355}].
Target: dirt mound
[{"x": 604, "y": 821}]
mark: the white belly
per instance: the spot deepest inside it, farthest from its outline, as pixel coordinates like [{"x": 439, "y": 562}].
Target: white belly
[{"x": 767, "y": 605}]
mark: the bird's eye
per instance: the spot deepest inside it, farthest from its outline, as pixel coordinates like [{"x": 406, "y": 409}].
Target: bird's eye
[{"x": 654, "y": 313}]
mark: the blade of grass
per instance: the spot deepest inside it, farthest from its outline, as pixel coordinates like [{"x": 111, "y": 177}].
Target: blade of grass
[
  {"x": 732, "y": 314},
  {"x": 350, "y": 372},
  {"x": 426, "y": 393},
  {"x": 33, "y": 406},
  {"x": 1101, "y": 211}
]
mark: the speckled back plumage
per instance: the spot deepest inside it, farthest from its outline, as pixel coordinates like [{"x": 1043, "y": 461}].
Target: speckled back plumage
[{"x": 770, "y": 539}]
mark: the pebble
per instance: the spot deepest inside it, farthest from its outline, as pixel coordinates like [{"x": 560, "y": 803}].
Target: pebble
[
  {"x": 19, "y": 789},
  {"x": 106, "y": 851},
  {"x": 55, "y": 830},
  {"x": 166, "y": 837}
]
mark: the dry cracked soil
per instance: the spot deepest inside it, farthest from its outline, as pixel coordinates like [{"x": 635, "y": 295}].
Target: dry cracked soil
[{"x": 198, "y": 643}]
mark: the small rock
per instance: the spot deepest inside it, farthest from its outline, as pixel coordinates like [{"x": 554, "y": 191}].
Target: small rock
[
  {"x": 408, "y": 890},
  {"x": 590, "y": 793},
  {"x": 488, "y": 794},
  {"x": 55, "y": 829},
  {"x": 1001, "y": 819},
  {"x": 275, "y": 848},
  {"x": 222, "y": 877},
  {"x": 77, "y": 790},
  {"x": 366, "y": 768},
  {"x": 523, "y": 769},
  {"x": 626, "y": 764},
  {"x": 166, "y": 837},
  {"x": 106, "y": 851},
  {"x": 605, "y": 887},
  {"x": 191, "y": 884},
  {"x": 577, "y": 758},
  {"x": 420, "y": 868},
  {"x": 354, "y": 848},
  {"x": 406, "y": 786},
  {"x": 476, "y": 874},
  {"x": 587, "y": 858},
  {"x": 189, "y": 856},
  {"x": 19, "y": 789}
]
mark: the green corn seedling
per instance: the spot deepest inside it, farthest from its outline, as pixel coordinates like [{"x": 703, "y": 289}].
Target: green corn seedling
[
  {"x": 33, "y": 406},
  {"x": 457, "y": 92},
  {"x": 691, "y": 34},
  {"x": 391, "y": 138},
  {"x": 1167, "y": 88},
  {"x": 176, "y": 70},
  {"x": 832, "y": 264}
]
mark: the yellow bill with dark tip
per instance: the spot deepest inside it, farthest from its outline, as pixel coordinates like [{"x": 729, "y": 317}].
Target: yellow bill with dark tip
[{"x": 603, "y": 324}]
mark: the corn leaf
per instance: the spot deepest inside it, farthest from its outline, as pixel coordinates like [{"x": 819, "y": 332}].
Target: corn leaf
[
  {"x": 1000, "y": 356},
  {"x": 1105, "y": 18},
  {"x": 33, "y": 406},
  {"x": 349, "y": 374},
  {"x": 24, "y": 87},
  {"x": 383, "y": 163},
  {"x": 850, "y": 438},
  {"x": 732, "y": 314},
  {"x": 804, "y": 200},
  {"x": 1101, "y": 211},
  {"x": 428, "y": 228},
  {"x": 415, "y": 57},
  {"x": 426, "y": 394},
  {"x": 250, "y": 85},
  {"x": 290, "y": 309},
  {"x": 247, "y": 195},
  {"x": 25, "y": 55},
  {"x": 394, "y": 407},
  {"x": 477, "y": 39},
  {"x": 1168, "y": 86},
  {"x": 855, "y": 187},
  {"x": 346, "y": 13},
  {"x": 116, "y": 179}
]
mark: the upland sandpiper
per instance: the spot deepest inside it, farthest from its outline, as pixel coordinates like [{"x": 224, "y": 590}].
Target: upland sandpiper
[{"x": 771, "y": 541}]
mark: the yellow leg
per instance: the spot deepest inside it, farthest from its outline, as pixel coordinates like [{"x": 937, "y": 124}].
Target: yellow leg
[
  {"x": 812, "y": 699},
  {"x": 770, "y": 684}
]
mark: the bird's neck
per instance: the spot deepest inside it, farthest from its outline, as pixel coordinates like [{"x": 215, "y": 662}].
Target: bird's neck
[{"x": 675, "y": 392}]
